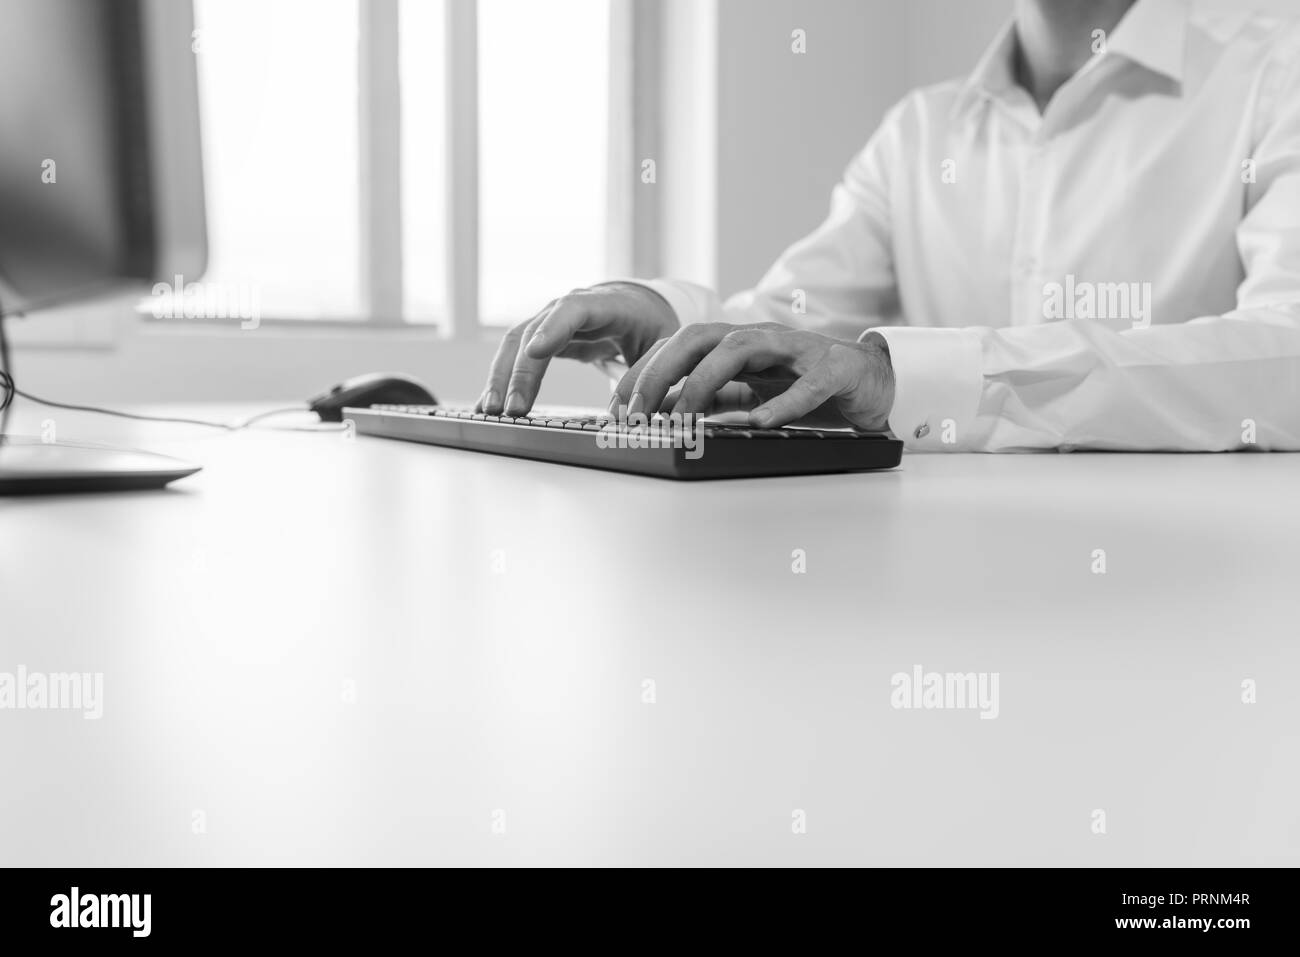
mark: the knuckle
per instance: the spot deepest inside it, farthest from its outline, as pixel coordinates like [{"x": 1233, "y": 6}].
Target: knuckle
[
  {"x": 743, "y": 337},
  {"x": 840, "y": 356},
  {"x": 692, "y": 386},
  {"x": 811, "y": 386},
  {"x": 506, "y": 352}
]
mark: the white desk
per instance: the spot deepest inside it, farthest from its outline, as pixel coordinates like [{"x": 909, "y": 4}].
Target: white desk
[{"x": 229, "y": 614}]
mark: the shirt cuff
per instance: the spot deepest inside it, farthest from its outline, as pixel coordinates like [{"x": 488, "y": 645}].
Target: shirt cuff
[
  {"x": 689, "y": 302},
  {"x": 938, "y": 381}
]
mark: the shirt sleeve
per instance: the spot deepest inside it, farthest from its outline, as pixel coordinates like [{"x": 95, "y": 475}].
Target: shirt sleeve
[{"x": 1214, "y": 383}]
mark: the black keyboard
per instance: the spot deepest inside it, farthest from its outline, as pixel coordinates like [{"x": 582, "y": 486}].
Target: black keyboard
[{"x": 663, "y": 446}]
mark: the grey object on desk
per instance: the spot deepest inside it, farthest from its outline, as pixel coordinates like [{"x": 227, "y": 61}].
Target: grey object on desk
[
  {"x": 591, "y": 441},
  {"x": 29, "y": 466},
  {"x": 375, "y": 388}
]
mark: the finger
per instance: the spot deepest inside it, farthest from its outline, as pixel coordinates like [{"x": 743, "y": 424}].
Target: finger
[
  {"x": 741, "y": 350},
  {"x": 734, "y": 396},
  {"x": 493, "y": 399},
  {"x": 567, "y": 318},
  {"x": 670, "y": 400},
  {"x": 824, "y": 381},
  {"x": 627, "y": 384},
  {"x": 581, "y": 351},
  {"x": 526, "y": 374},
  {"x": 674, "y": 360}
]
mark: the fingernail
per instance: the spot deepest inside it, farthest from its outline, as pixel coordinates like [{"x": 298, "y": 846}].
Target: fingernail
[
  {"x": 535, "y": 341},
  {"x": 613, "y": 405},
  {"x": 514, "y": 404},
  {"x": 762, "y": 416},
  {"x": 636, "y": 405},
  {"x": 492, "y": 402}
]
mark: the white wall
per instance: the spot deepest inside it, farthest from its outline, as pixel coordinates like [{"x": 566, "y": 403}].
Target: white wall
[
  {"x": 788, "y": 123},
  {"x": 943, "y": 38}
]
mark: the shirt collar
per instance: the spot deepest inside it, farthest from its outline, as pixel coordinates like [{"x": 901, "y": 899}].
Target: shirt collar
[
  {"x": 994, "y": 73},
  {"x": 1152, "y": 34}
]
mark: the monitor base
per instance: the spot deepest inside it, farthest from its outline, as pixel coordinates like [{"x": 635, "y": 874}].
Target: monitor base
[{"x": 29, "y": 466}]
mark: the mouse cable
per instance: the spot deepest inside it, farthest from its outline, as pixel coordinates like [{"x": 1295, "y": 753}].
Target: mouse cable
[{"x": 9, "y": 389}]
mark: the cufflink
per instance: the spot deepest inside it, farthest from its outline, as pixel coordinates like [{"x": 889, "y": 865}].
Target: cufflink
[{"x": 922, "y": 431}]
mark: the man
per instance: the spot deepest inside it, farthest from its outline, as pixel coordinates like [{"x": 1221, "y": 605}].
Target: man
[{"x": 1093, "y": 242}]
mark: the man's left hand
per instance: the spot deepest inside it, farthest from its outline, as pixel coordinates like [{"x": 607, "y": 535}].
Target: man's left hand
[{"x": 800, "y": 376}]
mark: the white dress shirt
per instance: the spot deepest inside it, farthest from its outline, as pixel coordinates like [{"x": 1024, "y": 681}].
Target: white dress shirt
[{"x": 1121, "y": 271}]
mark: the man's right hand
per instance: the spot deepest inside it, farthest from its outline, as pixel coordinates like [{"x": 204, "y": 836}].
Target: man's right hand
[{"x": 610, "y": 321}]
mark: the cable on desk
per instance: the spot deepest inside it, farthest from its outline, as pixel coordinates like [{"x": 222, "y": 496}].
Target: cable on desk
[
  {"x": 10, "y": 389},
  {"x": 7, "y": 387}
]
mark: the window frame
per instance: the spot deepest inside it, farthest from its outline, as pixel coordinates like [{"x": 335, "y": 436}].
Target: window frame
[{"x": 631, "y": 239}]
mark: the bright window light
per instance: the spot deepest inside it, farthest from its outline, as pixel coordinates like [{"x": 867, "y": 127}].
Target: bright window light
[
  {"x": 424, "y": 161},
  {"x": 278, "y": 97},
  {"x": 278, "y": 83},
  {"x": 543, "y": 104}
]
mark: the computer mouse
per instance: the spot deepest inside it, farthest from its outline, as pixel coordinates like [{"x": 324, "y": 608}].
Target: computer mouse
[{"x": 377, "y": 388}]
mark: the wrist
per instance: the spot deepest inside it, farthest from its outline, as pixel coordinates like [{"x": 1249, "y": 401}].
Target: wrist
[{"x": 881, "y": 374}]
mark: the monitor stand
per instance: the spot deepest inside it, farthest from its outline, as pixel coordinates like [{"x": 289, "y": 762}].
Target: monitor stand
[{"x": 29, "y": 466}]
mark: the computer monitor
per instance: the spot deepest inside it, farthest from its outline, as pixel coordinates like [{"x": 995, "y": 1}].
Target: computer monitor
[
  {"x": 101, "y": 175},
  {"x": 101, "y": 180}
]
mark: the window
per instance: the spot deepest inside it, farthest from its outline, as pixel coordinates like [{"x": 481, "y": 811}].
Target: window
[
  {"x": 422, "y": 54},
  {"x": 311, "y": 108},
  {"x": 543, "y": 121}
]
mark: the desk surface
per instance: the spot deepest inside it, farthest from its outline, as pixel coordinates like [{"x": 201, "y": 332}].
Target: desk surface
[{"x": 322, "y": 651}]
